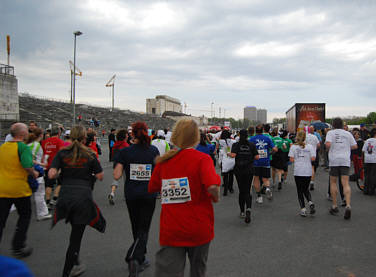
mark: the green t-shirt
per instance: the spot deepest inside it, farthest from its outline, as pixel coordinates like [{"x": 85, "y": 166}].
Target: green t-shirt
[
  {"x": 287, "y": 142},
  {"x": 26, "y": 157},
  {"x": 278, "y": 142}
]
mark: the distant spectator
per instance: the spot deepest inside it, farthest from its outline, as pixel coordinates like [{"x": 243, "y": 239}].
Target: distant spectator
[
  {"x": 364, "y": 133},
  {"x": 111, "y": 142},
  {"x": 32, "y": 126}
]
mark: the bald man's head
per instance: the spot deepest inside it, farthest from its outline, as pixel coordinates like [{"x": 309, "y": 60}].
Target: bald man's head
[{"x": 19, "y": 131}]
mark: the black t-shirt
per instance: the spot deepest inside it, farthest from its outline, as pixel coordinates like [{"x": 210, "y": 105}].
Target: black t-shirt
[
  {"x": 80, "y": 173},
  {"x": 245, "y": 154},
  {"x": 138, "y": 164}
]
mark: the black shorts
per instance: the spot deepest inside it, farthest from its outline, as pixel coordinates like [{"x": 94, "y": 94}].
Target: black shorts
[
  {"x": 262, "y": 172},
  {"x": 278, "y": 161},
  {"x": 49, "y": 183},
  {"x": 339, "y": 171}
]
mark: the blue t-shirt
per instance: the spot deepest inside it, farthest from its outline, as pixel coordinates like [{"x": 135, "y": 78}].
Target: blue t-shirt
[
  {"x": 207, "y": 149},
  {"x": 13, "y": 268},
  {"x": 264, "y": 147},
  {"x": 138, "y": 163}
]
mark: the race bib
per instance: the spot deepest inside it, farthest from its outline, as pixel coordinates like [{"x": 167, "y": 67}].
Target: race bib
[
  {"x": 140, "y": 172},
  {"x": 263, "y": 153},
  {"x": 175, "y": 191}
]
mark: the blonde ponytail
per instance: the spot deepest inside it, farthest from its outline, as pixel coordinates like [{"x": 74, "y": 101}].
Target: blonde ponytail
[{"x": 300, "y": 139}]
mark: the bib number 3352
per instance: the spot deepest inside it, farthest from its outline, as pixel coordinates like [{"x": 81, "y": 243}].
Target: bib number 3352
[
  {"x": 175, "y": 191},
  {"x": 140, "y": 172}
]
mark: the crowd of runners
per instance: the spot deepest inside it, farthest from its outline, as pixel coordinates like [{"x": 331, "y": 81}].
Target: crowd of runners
[{"x": 179, "y": 167}]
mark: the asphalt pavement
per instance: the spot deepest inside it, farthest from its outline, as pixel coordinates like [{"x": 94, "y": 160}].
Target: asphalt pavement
[{"x": 278, "y": 242}]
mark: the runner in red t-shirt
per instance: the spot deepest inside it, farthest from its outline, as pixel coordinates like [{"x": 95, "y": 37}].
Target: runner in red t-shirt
[
  {"x": 50, "y": 147},
  {"x": 120, "y": 143},
  {"x": 188, "y": 184}
]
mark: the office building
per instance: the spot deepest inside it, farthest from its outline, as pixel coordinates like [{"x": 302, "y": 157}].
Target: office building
[{"x": 255, "y": 115}]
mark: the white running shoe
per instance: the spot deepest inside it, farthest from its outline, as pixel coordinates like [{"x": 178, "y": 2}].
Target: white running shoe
[
  {"x": 303, "y": 212},
  {"x": 259, "y": 200},
  {"x": 44, "y": 217},
  {"x": 269, "y": 193},
  {"x": 242, "y": 215}
]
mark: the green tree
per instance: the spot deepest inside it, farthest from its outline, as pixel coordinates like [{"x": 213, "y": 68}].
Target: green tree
[{"x": 371, "y": 118}]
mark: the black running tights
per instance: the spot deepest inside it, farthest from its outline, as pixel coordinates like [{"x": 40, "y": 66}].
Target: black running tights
[
  {"x": 228, "y": 180},
  {"x": 244, "y": 180},
  {"x": 302, "y": 185},
  {"x": 73, "y": 251}
]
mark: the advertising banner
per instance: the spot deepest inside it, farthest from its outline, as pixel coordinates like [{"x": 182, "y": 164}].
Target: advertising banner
[{"x": 309, "y": 113}]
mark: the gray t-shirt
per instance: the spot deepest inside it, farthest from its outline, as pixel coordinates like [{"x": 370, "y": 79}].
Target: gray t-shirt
[{"x": 340, "y": 148}]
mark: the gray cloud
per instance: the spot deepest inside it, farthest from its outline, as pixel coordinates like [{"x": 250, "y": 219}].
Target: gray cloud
[{"x": 266, "y": 53}]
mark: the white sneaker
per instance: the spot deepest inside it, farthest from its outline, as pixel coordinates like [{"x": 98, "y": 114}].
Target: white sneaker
[
  {"x": 77, "y": 270},
  {"x": 303, "y": 212},
  {"x": 44, "y": 217},
  {"x": 242, "y": 215},
  {"x": 259, "y": 200},
  {"x": 269, "y": 194}
]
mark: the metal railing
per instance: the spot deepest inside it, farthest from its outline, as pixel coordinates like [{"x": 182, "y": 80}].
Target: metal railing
[{"x": 6, "y": 69}]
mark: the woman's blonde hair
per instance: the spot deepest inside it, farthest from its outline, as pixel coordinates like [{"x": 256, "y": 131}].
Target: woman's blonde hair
[
  {"x": 184, "y": 135},
  {"x": 77, "y": 149},
  {"x": 300, "y": 139}
]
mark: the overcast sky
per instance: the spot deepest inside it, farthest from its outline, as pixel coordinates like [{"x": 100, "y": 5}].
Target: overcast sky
[{"x": 268, "y": 54}]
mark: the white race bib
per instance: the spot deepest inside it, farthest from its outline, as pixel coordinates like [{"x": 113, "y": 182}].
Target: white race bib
[
  {"x": 140, "y": 172},
  {"x": 263, "y": 153},
  {"x": 175, "y": 191}
]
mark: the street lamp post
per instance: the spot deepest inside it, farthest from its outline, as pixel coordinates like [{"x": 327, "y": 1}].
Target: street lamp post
[{"x": 77, "y": 33}]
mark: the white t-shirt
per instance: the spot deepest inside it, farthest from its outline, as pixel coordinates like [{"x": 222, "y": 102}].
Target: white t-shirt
[
  {"x": 218, "y": 135},
  {"x": 162, "y": 146},
  {"x": 168, "y": 137},
  {"x": 369, "y": 149},
  {"x": 340, "y": 148},
  {"x": 302, "y": 159},
  {"x": 225, "y": 147},
  {"x": 8, "y": 138},
  {"x": 312, "y": 140}
]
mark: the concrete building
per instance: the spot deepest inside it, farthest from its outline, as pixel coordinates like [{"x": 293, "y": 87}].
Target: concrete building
[
  {"x": 255, "y": 115},
  {"x": 161, "y": 104},
  {"x": 250, "y": 113},
  {"x": 261, "y": 116},
  {"x": 9, "y": 105}
]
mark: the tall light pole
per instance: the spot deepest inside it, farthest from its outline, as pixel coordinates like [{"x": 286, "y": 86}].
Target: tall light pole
[{"x": 77, "y": 33}]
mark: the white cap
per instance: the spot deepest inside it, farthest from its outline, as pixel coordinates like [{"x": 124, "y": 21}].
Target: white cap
[
  {"x": 67, "y": 133},
  {"x": 161, "y": 133}
]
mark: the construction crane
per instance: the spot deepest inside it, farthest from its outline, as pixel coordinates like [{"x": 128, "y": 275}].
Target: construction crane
[
  {"x": 111, "y": 83},
  {"x": 78, "y": 73}
]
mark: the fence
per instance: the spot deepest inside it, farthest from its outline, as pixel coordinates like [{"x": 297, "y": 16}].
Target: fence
[{"x": 6, "y": 69}]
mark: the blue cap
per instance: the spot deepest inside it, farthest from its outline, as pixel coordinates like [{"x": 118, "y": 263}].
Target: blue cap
[{"x": 362, "y": 125}]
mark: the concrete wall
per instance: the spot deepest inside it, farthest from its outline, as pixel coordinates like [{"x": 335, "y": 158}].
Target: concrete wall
[
  {"x": 9, "y": 105},
  {"x": 161, "y": 105}
]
